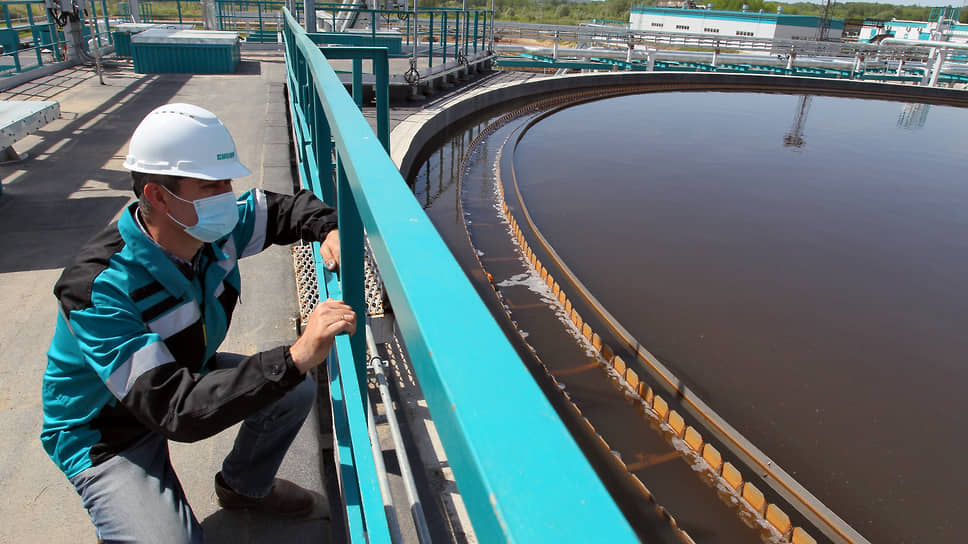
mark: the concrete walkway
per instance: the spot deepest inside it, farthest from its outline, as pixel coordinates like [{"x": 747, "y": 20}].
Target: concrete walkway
[{"x": 72, "y": 186}]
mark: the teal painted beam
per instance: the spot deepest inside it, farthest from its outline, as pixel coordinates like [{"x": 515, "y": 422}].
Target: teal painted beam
[
  {"x": 379, "y": 58},
  {"x": 520, "y": 473}
]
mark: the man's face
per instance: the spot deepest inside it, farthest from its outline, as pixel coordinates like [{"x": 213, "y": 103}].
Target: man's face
[{"x": 193, "y": 189}]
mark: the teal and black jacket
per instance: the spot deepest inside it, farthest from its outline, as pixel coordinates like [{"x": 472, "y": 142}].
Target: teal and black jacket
[{"x": 137, "y": 333}]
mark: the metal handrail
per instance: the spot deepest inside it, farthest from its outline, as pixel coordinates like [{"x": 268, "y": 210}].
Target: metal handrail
[{"x": 521, "y": 475}]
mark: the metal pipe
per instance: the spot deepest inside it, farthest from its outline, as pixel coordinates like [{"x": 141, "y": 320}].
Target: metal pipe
[
  {"x": 924, "y": 43},
  {"x": 938, "y": 62},
  {"x": 381, "y": 473},
  {"x": 416, "y": 510}
]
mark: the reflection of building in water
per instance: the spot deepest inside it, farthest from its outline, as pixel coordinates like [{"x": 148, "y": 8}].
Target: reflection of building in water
[
  {"x": 794, "y": 138},
  {"x": 913, "y": 116}
]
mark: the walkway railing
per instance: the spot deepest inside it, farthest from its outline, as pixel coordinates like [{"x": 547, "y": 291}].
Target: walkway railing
[
  {"x": 250, "y": 16},
  {"x": 434, "y": 33},
  {"x": 163, "y": 11},
  {"x": 30, "y": 38},
  {"x": 520, "y": 474}
]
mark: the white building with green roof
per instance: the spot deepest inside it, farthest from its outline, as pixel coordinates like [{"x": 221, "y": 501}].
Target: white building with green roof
[{"x": 731, "y": 23}]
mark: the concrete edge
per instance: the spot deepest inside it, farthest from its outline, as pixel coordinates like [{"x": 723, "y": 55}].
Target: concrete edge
[
  {"x": 412, "y": 135},
  {"x": 30, "y": 75}
]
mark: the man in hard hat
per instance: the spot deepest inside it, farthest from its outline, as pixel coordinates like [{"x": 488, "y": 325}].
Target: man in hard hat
[{"x": 144, "y": 307}]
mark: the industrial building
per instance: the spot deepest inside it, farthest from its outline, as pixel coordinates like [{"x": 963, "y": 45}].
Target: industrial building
[
  {"x": 942, "y": 25},
  {"x": 731, "y": 23}
]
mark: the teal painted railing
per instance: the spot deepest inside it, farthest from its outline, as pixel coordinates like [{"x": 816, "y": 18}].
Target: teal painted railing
[
  {"x": 251, "y": 16},
  {"x": 528, "y": 60},
  {"x": 441, "y": 33},
  {"x": 519, "y": 472},
  {"x": 30, "y": 38}
]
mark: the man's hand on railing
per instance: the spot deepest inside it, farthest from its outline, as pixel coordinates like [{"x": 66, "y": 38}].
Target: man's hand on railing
[
  {"x": 329, "y": 250},
  {"x": 329, "y": 318}
]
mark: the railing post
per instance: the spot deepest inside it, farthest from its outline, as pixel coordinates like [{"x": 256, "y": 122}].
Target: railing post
[
  {"x": 53, "y": 37},
  {"x": 476, "y": 16},
  {"x": 33, "y": 35},
  {"x": 96, "y": 33},
  {"x": 381, "y": 72},
  {"x": 351, "y": 268},
  {"x": 358, "y": 81},
  {"x": 16, "y": 52},
  {"x": 443, "y": 37},
  {"x": 484, "y": 23},
  {"x": 107, "y": 21},
  {"x": 324, "y": 155},
  {"x": 430, "y": 42}
]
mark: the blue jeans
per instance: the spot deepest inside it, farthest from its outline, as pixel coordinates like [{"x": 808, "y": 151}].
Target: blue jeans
[{"x": 136, "y": 497}]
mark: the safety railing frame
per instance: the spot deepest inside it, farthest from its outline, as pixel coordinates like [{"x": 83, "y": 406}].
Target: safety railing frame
[
  {"x": 521, "y": 475},
  {"x": 32, "y": 25},
  {"x": 453, "y": 33}
]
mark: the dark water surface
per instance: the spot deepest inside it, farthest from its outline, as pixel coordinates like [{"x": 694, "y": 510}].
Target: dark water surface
[{"x": 813, "y": 294}]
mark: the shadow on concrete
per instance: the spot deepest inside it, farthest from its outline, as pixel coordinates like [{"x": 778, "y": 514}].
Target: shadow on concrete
[
  {"x": 62, "y": 195},
  {"x": 248, "y": 68},
  {"x": 243, "y": 526}
]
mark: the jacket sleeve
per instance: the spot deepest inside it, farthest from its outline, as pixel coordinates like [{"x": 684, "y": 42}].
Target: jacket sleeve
[
  {"x": 138, "y": 369},
  {"x": 268, "y": 218}
]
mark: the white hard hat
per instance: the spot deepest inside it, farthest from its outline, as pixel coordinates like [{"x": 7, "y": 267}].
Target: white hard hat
[{"x": 184, "y": 140}]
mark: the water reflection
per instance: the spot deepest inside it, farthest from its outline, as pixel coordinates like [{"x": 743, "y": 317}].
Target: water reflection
[
  {"x": 813, "y": 298},
  {"x": 440, "y": 172},
  {"x": 913, "y": 116},
  {"x": 794, "y": 138}
]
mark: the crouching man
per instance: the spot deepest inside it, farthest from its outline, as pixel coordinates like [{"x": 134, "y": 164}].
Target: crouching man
[{"x": 144, "y": 306}]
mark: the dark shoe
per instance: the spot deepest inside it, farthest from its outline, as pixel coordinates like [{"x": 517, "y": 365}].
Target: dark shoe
[{"x": 285, "y": 499}]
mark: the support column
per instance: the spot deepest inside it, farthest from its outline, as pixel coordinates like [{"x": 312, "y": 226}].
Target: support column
[
  {"x": 210, "y": 15},
  {"x": 938, "y": 62},
  {"x": 310, "y": 6},
  {"x": 927, "y": 67},
  {"x": 74, "y": 36}
]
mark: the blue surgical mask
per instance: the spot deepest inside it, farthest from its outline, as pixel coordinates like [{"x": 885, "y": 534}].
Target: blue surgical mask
[{"x": 217, "y": 216}]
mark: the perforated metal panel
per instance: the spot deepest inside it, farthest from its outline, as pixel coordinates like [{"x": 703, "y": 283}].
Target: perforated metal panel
[{"x": 307, "y": 287}]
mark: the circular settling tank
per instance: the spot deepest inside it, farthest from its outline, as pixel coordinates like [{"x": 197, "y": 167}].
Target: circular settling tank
[{"x": 798, "y": 261}]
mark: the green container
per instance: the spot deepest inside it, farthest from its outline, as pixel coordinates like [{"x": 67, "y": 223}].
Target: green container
[
  {"x": 9, "y": 39},
  {"x": 122, "y": 34},
  {"x": 164, "y": 51},
  {"x": 122, "y": 44}
]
